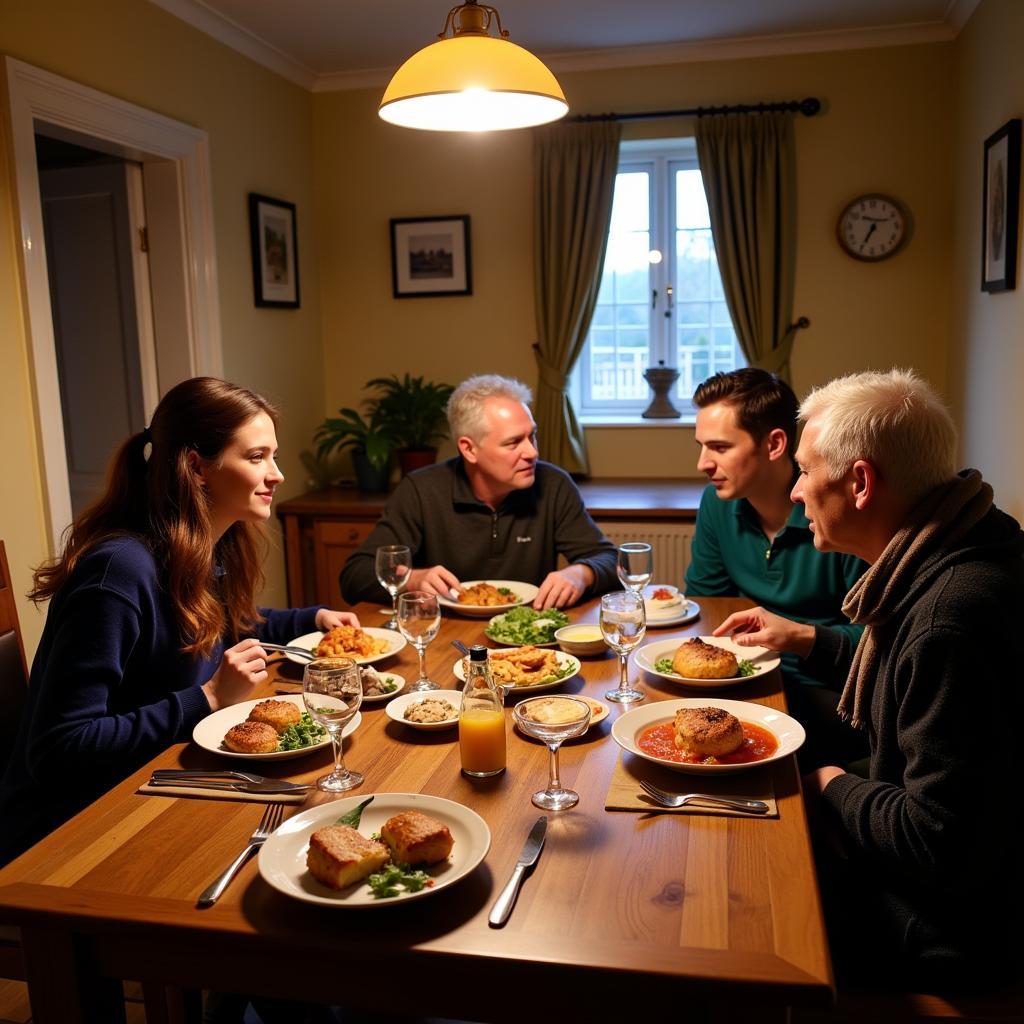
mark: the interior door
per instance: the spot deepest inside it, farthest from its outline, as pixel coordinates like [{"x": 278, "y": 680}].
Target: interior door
[{"x": 92, "y": 292}]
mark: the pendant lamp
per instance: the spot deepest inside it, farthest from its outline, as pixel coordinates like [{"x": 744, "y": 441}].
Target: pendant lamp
[{"x": 472, "y": 81}]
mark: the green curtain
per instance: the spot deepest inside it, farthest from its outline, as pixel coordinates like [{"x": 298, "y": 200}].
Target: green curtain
[
  {"x": 748, "y": 166},
  {"x": 575, "y": 166}
]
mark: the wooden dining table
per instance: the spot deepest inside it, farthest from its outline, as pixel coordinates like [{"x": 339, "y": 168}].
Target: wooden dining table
[{"x": 626, "y": 913}]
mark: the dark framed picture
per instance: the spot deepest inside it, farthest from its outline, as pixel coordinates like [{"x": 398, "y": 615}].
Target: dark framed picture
[
  {"x": 430, "y": 256},
  {"x": 1000, "y": 208},
  {"x": 275, "y": 252}
]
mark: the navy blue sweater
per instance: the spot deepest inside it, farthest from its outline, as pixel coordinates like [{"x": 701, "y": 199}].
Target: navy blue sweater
[{"x": 109, "y": 689}]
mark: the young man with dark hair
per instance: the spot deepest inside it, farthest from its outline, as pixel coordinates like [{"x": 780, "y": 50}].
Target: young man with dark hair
[{"x": 753, "y": 541}]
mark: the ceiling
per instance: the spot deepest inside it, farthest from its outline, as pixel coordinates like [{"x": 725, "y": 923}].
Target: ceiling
[{"x": 337, "y": 44}]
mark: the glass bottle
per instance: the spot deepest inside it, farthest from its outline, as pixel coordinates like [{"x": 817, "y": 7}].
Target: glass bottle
[{"x": 481, "y": 720}]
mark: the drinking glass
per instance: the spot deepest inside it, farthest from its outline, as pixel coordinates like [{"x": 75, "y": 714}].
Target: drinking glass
[
  {"x": 552, "y": 735},
  {"x": 332, "y": 689},
  {"x": 393, "y": 563},
  {"x": 623, "y": 625},
  {"x": 419, "y": 619},
  {"x": 635, "y": 565}
]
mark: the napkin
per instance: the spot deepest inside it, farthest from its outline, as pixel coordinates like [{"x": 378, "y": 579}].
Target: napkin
[
  {"x": 625, "y": 794},
  {"x": 224, "y": 794}
]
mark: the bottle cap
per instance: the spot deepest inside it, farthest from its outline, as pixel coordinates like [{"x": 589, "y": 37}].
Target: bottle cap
[{"x": 478, "y": 653}]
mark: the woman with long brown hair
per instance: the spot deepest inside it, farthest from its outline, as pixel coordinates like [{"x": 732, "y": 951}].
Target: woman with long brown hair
[{"x": 152, "y": 622}]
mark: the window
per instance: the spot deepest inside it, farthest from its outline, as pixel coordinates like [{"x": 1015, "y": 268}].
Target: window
[{"x": 661, "y": 294}]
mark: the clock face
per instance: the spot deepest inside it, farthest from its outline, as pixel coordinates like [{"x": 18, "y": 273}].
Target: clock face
[{"x": 872, "y": 227}]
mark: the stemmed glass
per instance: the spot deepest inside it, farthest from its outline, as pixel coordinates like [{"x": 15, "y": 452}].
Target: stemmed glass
[
  {"x": 419, "y": 619},
  {"x": 332, "y": 689},
  {"x": 393, "y": 563},
  {"x": 553, "y": 735},
  {"x": 635, "y": 565},
  {"x": 623, "y": 625}
]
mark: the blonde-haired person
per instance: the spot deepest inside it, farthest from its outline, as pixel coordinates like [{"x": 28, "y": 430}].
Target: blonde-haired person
[
  {"x": 495, "y": 511},
  {"x": 920, "y": 870},
  {"x": 152, "y": 622}
]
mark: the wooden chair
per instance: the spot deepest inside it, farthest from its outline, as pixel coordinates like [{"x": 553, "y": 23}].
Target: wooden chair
[{"x": 13, "y": 689}]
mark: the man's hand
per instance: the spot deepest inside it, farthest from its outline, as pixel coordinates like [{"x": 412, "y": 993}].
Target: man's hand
[
  {"x": 814, "y": 785},
  {"x": 435, "y": 580},
  {"x": 757, "y": 627},
  {"x": 326, "y": 619},
  {"x": 564, "y": 587}
]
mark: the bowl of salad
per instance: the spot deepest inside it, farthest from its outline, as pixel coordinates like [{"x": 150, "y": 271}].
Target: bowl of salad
[{"x": 526, "y": 626}]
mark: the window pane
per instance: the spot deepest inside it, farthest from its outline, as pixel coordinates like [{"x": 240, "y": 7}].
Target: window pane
[
  {"x": 691, "y": 202},
  {"x": 630, "y": 205}
]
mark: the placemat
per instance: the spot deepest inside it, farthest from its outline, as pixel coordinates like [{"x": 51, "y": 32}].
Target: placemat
[
  {"x": 224, "y": 794},
  {"x": 625, "y": 794}
]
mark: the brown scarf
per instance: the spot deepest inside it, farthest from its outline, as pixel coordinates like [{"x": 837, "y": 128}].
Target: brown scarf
[{"x": 938, "y": 522}]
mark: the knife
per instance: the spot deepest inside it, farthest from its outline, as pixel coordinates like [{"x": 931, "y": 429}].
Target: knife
[
  {"x": 531, "y": 851},
  {"x": 263, "y": 786}
]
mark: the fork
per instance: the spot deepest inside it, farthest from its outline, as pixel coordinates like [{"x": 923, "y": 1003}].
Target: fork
[
  {"x": 268, "y": 823},
  {"x": 299, "y": 652},
  {"x": 735, "y": 803}
]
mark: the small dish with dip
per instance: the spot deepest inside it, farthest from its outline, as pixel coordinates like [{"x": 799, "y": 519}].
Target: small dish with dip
[{"x": 583, "y": 639}]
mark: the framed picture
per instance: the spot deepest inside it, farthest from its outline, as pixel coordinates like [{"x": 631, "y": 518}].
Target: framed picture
[
  {"x": 275, "y": 253},
  {"x": 1000, "y": 206},
  {"x": 430, "y": 256}
]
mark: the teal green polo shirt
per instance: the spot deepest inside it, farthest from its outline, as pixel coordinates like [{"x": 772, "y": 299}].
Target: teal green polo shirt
[{"x": 731, "y": 555}]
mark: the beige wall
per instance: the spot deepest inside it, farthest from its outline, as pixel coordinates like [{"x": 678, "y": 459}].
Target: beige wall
[
  {"x": 260, "y": 140},
  {"x": 885, "y": 128},
  {"x": 987, "y": 344}
]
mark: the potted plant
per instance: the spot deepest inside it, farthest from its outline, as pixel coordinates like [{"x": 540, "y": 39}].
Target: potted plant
[
  {"x": 370, "y": 438},
  {"x": 417, "y": 413}
]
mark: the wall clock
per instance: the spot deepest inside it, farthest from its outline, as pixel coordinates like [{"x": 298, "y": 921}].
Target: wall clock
[{"x": 872, "y": 227}]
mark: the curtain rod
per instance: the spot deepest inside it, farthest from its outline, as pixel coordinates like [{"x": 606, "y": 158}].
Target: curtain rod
[{"x": 808, "y": 107}]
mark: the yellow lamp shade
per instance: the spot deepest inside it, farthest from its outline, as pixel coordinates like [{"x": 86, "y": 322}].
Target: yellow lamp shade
[{"x": 472, "y": 83}]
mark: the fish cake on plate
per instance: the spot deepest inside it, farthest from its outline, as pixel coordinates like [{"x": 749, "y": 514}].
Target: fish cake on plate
[
  {"x": 339, "y": 856},
  {"x": 280, "y": 714},
  {"x": 695, "y": 659},
  {"x": 416, "y": 838},
  {"x": 707, "y": 732},
  {"x": 251, "y": 737}
]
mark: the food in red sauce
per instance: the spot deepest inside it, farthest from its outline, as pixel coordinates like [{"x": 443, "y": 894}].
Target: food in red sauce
[
  {"x": 709, "y": 732},
  {"x": 660, "y": 741},
  {"x": 661, "y": 594}
]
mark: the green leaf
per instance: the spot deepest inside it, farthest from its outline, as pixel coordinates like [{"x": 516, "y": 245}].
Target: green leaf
[{"x": 352, "y": 818}]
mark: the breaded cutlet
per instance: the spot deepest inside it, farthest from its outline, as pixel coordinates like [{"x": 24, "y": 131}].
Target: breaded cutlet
[
  {"x": 278, "y": 713},
  {"x": 415, "y": 838},
  {"x": 251, "y": 737},
  {"x": 339, "y": 856}
]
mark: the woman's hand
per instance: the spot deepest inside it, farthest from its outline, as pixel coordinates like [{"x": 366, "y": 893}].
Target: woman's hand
[
  {"x": 326, "y": 619},
  {"x": 241, "y": 670},
  {"x": 757, "y": 627}
]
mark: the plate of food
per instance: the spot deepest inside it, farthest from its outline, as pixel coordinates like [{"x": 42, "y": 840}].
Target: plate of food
[
  {"x": 481, "y": 598},
  {"x": 665, "y": 606},
  {"x": 427, "y": 844},
  {"x": 545, "y": 711},
  {"x": 705, "y": 661},
  {"x": 708, "y": 736},
  {"x": 526, "y": 626},
  {"x": 426, "y": 709},
  {"x": 526, "y": 669},
  {"x": 366, "y": 645},
  {"x": 264, "y": 730},
  {"x": 380, "y": 686}
]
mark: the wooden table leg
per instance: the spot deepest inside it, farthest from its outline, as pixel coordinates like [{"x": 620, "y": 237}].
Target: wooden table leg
[{"x": 167, "y": 1004}]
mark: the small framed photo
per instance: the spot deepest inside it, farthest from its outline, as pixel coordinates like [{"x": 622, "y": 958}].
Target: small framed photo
[
  {"x": 430, "y": 256},
  {"x": 1000, "y": 208},
  {"x": 275, "y": 252}
]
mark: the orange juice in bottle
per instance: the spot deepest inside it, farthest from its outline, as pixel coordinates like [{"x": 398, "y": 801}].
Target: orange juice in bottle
[{"x": 481, "y": 720}]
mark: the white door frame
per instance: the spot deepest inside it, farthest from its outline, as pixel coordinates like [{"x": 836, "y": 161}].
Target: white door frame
[{"x": 88, "y": 117}]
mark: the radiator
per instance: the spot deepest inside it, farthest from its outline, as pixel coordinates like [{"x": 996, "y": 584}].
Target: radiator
[{"x": 670, "y": 543}]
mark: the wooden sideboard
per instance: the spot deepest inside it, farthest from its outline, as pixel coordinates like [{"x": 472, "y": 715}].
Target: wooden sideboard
[{"x": 322, "y": 528}]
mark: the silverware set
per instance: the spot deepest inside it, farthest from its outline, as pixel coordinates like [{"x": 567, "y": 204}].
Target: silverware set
[
  {"x": 268, "y": 823},
  {"x": 239, "y": 782},
  {"x": 734, "y": 803}
]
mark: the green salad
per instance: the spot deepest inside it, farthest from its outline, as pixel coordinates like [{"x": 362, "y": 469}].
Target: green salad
[
  {"x": 526, "y": 626},
  {"x": 664, "y": 665},
  {"x": 305, "y": 733}
]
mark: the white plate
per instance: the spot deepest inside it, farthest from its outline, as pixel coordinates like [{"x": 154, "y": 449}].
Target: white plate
[
  {"x": 309, "y": 641},
  {"x": 396, "y": 709},
  {"x": 282, "y": 858},
  {"x": 788, "y": 731},
  {"x": 525, "y": 593},
  {"x": 386, "y": 696},
  {"x": 496, "y": 621},
  {"x": 690, "y": 612},
  {"x": 763, "y": 659},
  {"x": 563, "y": 660},
  {"x": 209, "y": 733}
]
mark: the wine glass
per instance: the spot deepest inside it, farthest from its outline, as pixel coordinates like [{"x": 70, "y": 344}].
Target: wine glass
[
  {"x": 419, "y": 619},
  {"x": 393, "y": 563},
  {"x": 623, "y": 625},
  {"x": 552, "y": 734},
  {"x": 635, "y": 565},
  {"x": 332, "y": 689}
]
